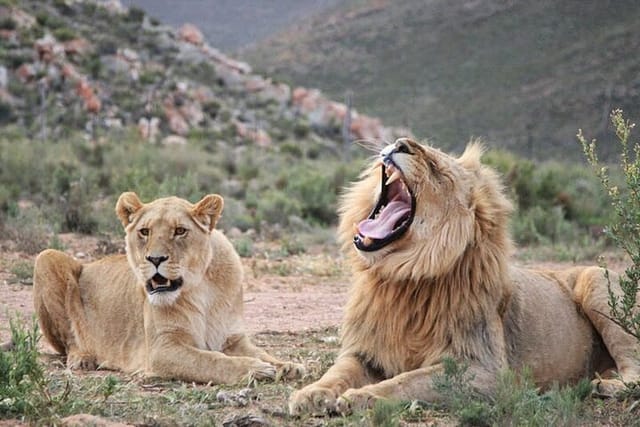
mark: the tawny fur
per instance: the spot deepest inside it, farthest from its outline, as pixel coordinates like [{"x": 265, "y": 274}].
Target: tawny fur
[
  {"x": 448, "y": 288},
  {"x": 100, "y": 315}
]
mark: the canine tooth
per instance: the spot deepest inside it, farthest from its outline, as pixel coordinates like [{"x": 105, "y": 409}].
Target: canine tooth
[
  {"x": 367, "y": 241},
  {"x": 389, "y": 169},
  {"x": 394, "y": 177}
]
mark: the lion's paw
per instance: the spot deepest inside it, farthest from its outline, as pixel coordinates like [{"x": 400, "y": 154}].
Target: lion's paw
[
  {"x": 314, "y": 400},
  {"x": 84, "y": 361},
  {"x": 290, "y": 371},
  {"x": 355, "y": 400},
  {"x": 259, "y": 370},
  {"x": 606, "y": 388}
]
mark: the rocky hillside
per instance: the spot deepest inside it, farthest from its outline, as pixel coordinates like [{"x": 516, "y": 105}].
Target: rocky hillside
[
  {"x": 98, "y": 67},
  {"x": 220, "y": 20},
  {"x": 524, "y": 75}
]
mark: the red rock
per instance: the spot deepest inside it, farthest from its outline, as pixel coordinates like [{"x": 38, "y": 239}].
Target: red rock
[
  {"x": 191, "y": 34},
  {"x": 92, "y": 104},
  {"x": 76, "y": 47},
  {"x": 26, "y": 72}
]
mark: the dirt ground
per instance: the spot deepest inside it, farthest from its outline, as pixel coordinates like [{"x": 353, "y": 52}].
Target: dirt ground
[
  {"x": 282, "y": 294},
  {"x": 293, "y": 308}
]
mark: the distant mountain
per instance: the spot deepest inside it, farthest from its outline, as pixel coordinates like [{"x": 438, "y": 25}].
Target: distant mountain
[
  {"x": 233, "y": 24},
  {"x": 524, "y": 75},
  {"x": 70, "y": 66}
]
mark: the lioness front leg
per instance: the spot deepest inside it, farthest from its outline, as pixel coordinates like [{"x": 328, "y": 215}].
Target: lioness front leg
[
  {"x": 189, "y": 363},
  {"x": 321, "y": 397},
  {"x": 241, "y": 345}
]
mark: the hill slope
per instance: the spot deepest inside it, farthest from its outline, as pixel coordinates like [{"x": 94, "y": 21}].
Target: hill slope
[
  {"x": 68, "y": 66},
  {"x": 221, "y": 20},
  {"x": 524, "y": 75}
]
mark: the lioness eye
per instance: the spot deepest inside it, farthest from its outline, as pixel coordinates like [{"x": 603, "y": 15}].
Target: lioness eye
[
  {"x": 179, "y": 231},
  {"x": 144, "y": 232}
]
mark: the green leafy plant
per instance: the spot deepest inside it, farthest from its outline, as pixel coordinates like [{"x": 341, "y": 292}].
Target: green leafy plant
[
  {"x": 517, "y": 400},
  {"x": 24, "y": 386},
  {"x": 625, "y": 228}
]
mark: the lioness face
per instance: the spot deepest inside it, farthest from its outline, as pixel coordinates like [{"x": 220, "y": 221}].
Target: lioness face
[
  {"x": 422, "y": 211},
  {"x": 168, "y": 242}
]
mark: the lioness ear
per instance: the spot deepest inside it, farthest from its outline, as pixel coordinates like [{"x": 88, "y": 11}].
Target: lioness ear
[
  {"x": 128, "y": 204},
  {"x": 207, "y": 211}
]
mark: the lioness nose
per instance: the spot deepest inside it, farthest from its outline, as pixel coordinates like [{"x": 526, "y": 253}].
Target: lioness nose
[{"x": 157, "y": 260}]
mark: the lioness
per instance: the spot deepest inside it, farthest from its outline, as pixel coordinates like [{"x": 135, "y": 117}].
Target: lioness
[
  {"x": 427, "y": 237},
  {"x": 171, "y": 308}
]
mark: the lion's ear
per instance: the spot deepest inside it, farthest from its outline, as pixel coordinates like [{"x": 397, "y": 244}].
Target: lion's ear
[
  {"x": 471, "y": 158},
  {"x": 208, "y": 210},
  {"x": 128, "y": 204}
]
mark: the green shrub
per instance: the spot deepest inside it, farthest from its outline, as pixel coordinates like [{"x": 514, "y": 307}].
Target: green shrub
[
  {"x": 135, "y": 14},
  {"x": 52, "y": 22},
  {"x": 22, "y": 378},
  {"x": 624, "y": 229},
  {"x": 555, "y": 202},
  {"x": 276, "y": 207},
  {"x": 23, "y": 271},
  {"x": 516, "y": 401},
  {"x": 64, "y": 34},
  {"x": 6, "y": 113},
  {"x": 244, "y": 246},
  {"x": 8, "y": 23},
  {"x": 28, "y": 230}
]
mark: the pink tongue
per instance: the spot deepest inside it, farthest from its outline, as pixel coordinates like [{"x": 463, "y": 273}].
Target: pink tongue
[{"x": 383, "y": 225}]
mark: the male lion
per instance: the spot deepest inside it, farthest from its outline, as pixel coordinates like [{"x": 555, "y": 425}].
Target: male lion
[
  {"x": 171, "y": 308},
  {"x": 427, "y": 239}
]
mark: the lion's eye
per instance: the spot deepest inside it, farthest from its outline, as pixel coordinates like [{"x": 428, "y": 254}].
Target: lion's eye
[
  {"x": 403, "y": 148},
  {"x": 180, "y": 231},
  {"x": 144, "y": 232}
]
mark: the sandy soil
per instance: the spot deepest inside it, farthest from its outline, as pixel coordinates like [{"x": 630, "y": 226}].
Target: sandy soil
[
  {"x": 282, "y": 293},
  {"x": 302, "y": 292}
]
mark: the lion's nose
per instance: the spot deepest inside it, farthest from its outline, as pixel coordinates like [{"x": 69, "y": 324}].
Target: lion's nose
[{"x": 157, "y": 260}]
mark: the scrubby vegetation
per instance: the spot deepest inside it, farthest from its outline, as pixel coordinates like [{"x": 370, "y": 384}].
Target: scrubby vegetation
[
  {"x": 72, "y": 184},
  {"x": 624, "y": 229},
  {"x": 168, "y": 116}
]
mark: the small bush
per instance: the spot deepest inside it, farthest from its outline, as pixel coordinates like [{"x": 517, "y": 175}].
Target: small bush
[
  {"x": 8, "y": 23},
  {"x": 516, "y": 402},
  {"x": 244, "y": 246},
  {"x": 64, "y": 34},
  {"x": 135, "y": 14},
  {"x": 28, "y": 231},
  {"x": 275, "y": 207},
  {"x": 624, "y": 230},
  {"x": 23, "y": 271},
  {"x": 22, "y": 379}
]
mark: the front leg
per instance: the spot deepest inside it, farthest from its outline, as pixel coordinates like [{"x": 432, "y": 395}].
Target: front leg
[
  {"x": 188, "y": 363},
  {"x": 408, "y": 386},
  {"x": 321, "y": 397},
  {"x": 241, "y": 345}
]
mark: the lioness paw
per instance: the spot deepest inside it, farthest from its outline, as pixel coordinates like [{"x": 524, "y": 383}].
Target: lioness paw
[
  {"x": 84, "y": 361},
  {"x": 260, "y": 370},
  {"x": 290, "y": 371},
  {"x": 355, "y": 400},
  {"x": 314, "y": 400}
]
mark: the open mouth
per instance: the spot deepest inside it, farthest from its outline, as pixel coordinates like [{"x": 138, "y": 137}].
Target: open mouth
[
  {"x": 158, "y": 283},
  {"x": 392, "y": 215}
]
